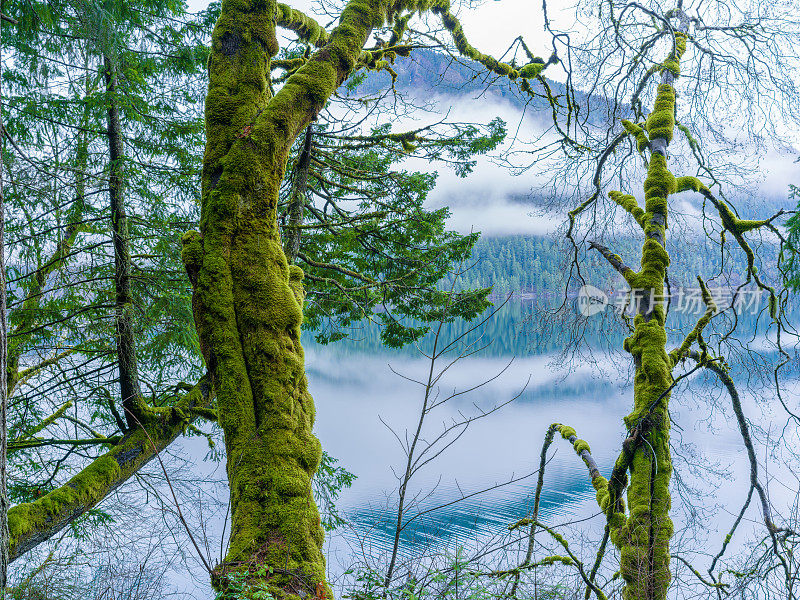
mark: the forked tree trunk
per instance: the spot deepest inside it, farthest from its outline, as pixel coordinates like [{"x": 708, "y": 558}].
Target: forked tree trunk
[
  {"x": 248, "y": 309},
  {"x": 248, "y": 299}
]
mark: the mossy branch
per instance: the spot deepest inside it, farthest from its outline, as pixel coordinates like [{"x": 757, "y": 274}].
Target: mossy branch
[
  {"x": 731, "y": 222},
  {"x": 575, "y": 561},
  {"x": 686, "y": 183},
  {"x": 672, "y": 63},
  {"x": 209, "y": 414},
  {"x": 638, "y": 133},
  {"x": 697, "y": 574},
  {"x": 696, "y": 334},
  {"x": 289, "y": 64},
  {"x": 29, "y": 443},
  {"x": 738, "y": 227},
  {"x": 90, "y": 430},
  {"x": 548, "y": 439},
  {"x": 306, "y": 28},
  {"x": 732, "y": 530},
  {"x": 26, "y": 374},
  {"x": 722, "y": 374},
  {"x": 600, "y": 484},
  {"x": 614, "y": 509},
  {"x": 581, "y": 448},
  {"x": 44, "y": 423},
  {"x": 630, "y": 204},
  {"x": 546, "y": 561},
  {"x": 616, "y": 261},
  {"x": 31, "y": 523},
  {"x": 453, "y": 25}
]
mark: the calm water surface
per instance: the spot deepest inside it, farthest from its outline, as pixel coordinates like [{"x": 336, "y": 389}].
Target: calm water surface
[{"x": 363, "y": 408}]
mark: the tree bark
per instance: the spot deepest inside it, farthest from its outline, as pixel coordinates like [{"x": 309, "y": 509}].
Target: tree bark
[
  {"x": 297, "y": 200},
  {"x": 130, "y": 391}
]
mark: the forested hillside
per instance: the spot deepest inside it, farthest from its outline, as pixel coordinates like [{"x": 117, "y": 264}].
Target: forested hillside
[{"x": 535, "y": 265}]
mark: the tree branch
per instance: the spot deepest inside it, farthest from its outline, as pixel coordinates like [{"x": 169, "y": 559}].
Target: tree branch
[{"x": 32, "y": 523}]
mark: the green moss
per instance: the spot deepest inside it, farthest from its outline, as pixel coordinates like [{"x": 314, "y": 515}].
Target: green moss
[
  {"x": 672, "y": 63},
  {"x": 629, "y": 203},
  {"x": 552, "y": 560},
  {"x": 305, "y": 27},
  {"x": 30, "y": 523},
  {"x": 661, "y": 122},
  {"x": 85, "y": 488},
  {"x": 659, "y": 183},
  {"x": 46, "y": 422},
  {"x": 734, "y": 224},
  {"x": 192, "y": 251},
  {"x": 566, "y": 432},
  {"x": 693, "y": 143},
  {"x": 250, "y": 300},
  {"x": 638, "y": 133},
  {"x": 685, "y": 183},
  {"x": 532, "y": 70},
  {"x": 580, "y": 446},
  {"x": 452, "y": 24}
]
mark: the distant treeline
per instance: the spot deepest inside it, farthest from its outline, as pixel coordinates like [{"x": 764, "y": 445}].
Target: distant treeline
[{"x": 538, "y": 266}]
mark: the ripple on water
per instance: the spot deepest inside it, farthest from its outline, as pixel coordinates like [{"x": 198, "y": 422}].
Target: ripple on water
[{"x": 469, "y": 522}]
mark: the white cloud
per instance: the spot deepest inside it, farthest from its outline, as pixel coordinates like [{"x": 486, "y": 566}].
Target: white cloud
[{"x": 500, "y": 217}]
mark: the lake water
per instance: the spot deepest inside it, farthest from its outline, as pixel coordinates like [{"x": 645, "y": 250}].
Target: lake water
[
  {"x": 364, "y": 407},
  {"x": 366, "y": 411}
]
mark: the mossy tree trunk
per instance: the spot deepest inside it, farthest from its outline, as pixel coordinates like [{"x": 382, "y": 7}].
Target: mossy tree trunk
[
  {"x": 248, "y": 299},
  {"x": 248, "y": 308},
  {"x": 643, "y": 538}
]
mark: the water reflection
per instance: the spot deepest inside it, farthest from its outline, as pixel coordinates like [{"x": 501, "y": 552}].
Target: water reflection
[{"x": 358, "y": 398}]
